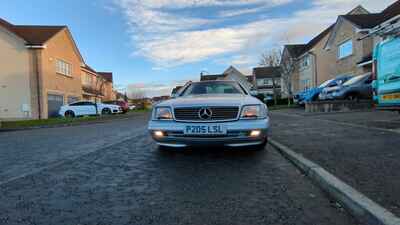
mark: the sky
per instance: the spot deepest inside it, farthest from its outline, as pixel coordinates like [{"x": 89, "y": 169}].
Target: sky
[{"x": 154, "y": 45}]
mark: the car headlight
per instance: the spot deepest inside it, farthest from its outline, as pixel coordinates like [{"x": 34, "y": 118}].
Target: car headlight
[
  {"x": 162, "y": 113},
  {"x": 254, "y": 112}
]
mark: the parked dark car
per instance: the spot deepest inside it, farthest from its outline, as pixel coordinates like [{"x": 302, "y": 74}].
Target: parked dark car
[
  {"x": 359, "y": 87},
  {"x": 312, "y": 94},
  {"x": 124, "y": 105}
]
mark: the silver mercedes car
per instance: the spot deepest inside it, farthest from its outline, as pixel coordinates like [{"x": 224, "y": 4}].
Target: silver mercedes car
[{"x": 210, "y": 113}]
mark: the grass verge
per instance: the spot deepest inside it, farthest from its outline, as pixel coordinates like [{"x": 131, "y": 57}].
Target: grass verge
[{"x": 64, "y": 121}]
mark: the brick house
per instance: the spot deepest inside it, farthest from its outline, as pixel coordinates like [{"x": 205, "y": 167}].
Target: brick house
[
  {"x": 338, "y": 49},
  {"x": 97, "y": 86},
  {"x": 108, "y": 89},
  {"x": 315, "y": 63},
  {"x": 267, "y": 80},
  {"x": 40, "y": 70},
  {"x": 290, "y": 55},
  {"x": 90, "y": 84}
]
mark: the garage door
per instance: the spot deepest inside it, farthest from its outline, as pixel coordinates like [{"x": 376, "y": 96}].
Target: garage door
[{"x": 54, "y": 102}]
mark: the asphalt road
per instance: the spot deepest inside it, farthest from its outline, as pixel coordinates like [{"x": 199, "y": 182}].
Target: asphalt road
[
  {"x": 113, "y": 173},
  {"x": 361, "y": 148}
]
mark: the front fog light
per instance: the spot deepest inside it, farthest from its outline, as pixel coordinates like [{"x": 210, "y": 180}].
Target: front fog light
[
  {"x": 158, "y": 133},
  {"x": 255, "y": 133}
]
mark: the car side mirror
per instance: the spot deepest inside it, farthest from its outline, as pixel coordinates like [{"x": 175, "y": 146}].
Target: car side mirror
[{"x": 374, "y": 84}]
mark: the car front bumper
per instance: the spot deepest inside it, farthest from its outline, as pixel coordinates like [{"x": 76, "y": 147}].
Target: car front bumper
[{"x": 238, "y": 133}]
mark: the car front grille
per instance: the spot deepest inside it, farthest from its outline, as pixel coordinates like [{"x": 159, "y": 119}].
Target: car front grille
[{"x": 217, "y": 113}]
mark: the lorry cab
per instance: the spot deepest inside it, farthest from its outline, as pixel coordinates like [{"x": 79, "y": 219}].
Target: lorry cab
[{"x": 386, "y": 71}]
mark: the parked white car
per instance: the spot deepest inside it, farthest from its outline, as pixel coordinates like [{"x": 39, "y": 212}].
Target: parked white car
[
  {"x": 132, "y": 107},
  {"x": 83, "y": 108},
  {"x": 211, "y": 113}
]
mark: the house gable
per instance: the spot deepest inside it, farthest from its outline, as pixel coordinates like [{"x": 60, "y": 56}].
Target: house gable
[
  {"x": 61, "y": 48},
  {"x": 341, "y": 21},
  {"x": 65, "y": 32},
  {"x": 358, "y": 10}
]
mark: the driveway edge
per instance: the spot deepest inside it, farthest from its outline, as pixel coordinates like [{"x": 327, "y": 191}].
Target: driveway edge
[{"x": 360, "y": 206}]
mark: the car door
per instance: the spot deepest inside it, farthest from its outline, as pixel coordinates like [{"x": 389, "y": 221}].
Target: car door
[
  {"x": 77, "y": 108},
  {"x": 89, "y": 108}
]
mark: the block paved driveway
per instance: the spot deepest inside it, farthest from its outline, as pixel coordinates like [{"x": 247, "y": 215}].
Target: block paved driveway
[
  {"x": 361, "y": 148},
  {"x": 112, "y": 173}
]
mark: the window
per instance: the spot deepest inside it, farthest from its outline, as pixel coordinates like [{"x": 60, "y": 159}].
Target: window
[
  {"x": 305, "y": 62},
  {"x": 265, "y": 81},
  {"x": 201, "y": 88},
  {"x": 88, "y": 79},
  {"x": 268, "y": 82},
  {"x": 81, "y": 103},
  {"x": 305, "y": 84},
  {"x": 345, "y": 49},
  {"x": 63, "y": 67}
]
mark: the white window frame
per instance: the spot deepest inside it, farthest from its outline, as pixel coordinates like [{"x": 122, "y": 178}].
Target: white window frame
[
  {"x": 305, "y": 62},
  {"x": 344, "y": 55},
  {"x": 63, "y": 67}
]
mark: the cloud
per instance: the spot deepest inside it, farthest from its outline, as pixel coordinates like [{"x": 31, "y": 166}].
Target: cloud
[
  {"x": 252, "y": 9},
  {"x": 179, "y": 4},
  {"x": 170, "y": 38}
]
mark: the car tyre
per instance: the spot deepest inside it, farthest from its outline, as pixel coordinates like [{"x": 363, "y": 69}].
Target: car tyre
[
  {"x": 106, "y": 111},
  {"x": 69, "y": 114}
]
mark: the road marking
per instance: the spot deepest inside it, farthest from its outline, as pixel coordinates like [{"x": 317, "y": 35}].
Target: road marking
[{"x": 363, "y": 208}]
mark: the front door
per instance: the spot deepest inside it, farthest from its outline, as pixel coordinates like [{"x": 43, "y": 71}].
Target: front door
[{"x": 54, "y": 102}]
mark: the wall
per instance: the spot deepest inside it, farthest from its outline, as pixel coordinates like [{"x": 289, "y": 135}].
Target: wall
[
  {"x": 109, "y": 92},
  {"x": 59, "y": 47},
  {"x": 306, "y": 73},
  {"x": 16, "y": 69},
  {"x": 348, "y": 65},
  {"x": 322, "y": 62}
]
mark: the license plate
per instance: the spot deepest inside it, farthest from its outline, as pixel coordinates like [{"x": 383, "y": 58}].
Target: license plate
[
  {"x": 391, "y": 96},
  {"x": 205, "y": 130}
]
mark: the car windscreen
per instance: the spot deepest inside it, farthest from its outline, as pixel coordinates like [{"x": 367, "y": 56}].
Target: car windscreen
[
  {"x": 325, "y": 83},
  {"x": 354, "y": 80},
  {"x": 204, "y": 88}
]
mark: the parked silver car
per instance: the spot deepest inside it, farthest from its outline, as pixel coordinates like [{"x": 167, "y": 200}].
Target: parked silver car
[
  {"x": 210, "y": 113},
  {"x": 359, "y": 87}
]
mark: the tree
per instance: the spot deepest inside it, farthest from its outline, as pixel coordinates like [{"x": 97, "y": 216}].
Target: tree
[
  {"x": 287, "y": 66},
  {"x": 272, "y": 58}
]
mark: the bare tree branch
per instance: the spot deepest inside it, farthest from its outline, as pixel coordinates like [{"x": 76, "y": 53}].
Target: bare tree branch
[
  {"x": 270, "y": 58},
  {"x": 288, "y": 66}
]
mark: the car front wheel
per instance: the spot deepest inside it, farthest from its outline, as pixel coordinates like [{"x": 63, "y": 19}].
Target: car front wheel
[
  {"x": 69, "y": 114},
  {"x": 106, "y": 111}
]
